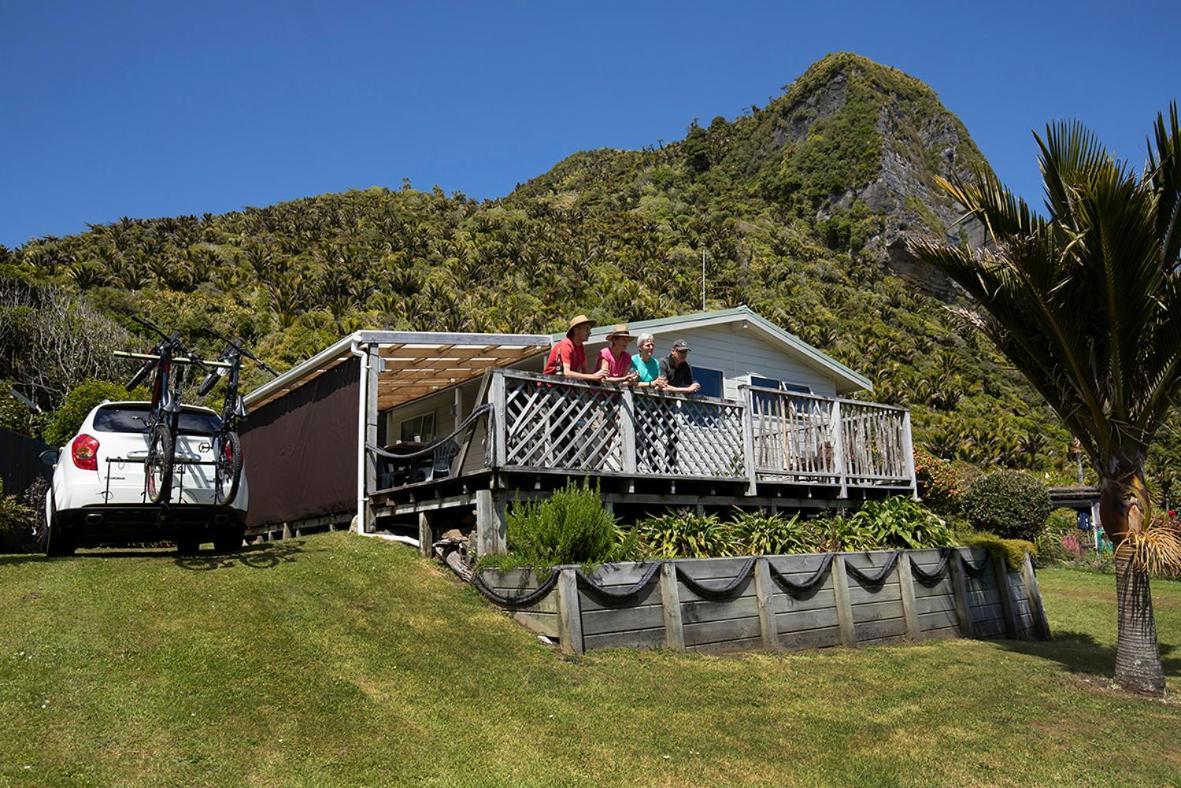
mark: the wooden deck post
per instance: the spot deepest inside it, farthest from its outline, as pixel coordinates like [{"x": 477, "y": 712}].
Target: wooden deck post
[
  {"x": 840, "y": 587},
  {"x": 959, "y": 589},
  {"x": 627, "y": 429},
  {"x": 499, "y": 430},
  {"x": 908, "y": 449},
  {"x": 748, "y": 442},
  {"x": 1033, "y": 593},
  {"x": 491, "y": 536},
  {"x": 569, "y": 613},
  {"x": 906, "y": 585},
  {"x": 840, "y": 462},
  {"x": 768, "y": 627},
  {"x": 670, "y": 601},
  {"x": 426, "y": 534},
  {"x": 1000, "y": 570}
]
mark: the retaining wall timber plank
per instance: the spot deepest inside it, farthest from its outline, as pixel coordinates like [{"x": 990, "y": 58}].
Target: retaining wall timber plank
[{"x": 668, "y": 614}]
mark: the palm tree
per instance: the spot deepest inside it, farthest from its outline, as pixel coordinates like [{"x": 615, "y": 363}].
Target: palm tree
[{"x": 1086, "y": 302}]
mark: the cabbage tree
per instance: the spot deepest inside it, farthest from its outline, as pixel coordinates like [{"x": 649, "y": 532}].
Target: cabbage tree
[{"x": 1085, "y": 301}]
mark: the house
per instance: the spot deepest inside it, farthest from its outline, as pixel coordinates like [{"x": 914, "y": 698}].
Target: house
[{"x": 433, "y": 430}]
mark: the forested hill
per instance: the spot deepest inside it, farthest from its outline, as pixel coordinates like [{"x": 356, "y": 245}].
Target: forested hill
[{"x": 801, "y": 208}]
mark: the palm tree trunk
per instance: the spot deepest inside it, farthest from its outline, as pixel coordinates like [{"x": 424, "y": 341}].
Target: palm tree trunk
[
  {"x": 1123, "y": 508},
  {"x": 1137, "y": 660}
]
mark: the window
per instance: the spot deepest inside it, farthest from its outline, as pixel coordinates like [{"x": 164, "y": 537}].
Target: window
[
  {"x": 420, "y": 429},
  {"x": 710, "y": 380},
  {"x": 772, "y": 383},
  {"x": 134, "y": 418}
]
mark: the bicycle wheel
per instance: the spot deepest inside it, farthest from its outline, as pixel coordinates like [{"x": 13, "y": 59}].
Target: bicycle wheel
[
  {"x": 227, "y": 453},
  {"x": 158, "y": 464}
]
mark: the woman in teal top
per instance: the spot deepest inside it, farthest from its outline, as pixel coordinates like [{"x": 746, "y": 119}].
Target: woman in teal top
[{"x": 647, "y": 367}]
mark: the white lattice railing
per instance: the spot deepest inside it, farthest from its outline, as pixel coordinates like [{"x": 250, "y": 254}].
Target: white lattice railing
[{"x": 546, "y": 423}]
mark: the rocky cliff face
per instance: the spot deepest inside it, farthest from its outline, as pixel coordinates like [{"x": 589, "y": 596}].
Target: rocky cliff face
[{"x": 895, "y": 137}]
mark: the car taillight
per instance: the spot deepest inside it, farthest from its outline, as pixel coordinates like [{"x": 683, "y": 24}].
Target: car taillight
[{"x": 84, "y": 450}]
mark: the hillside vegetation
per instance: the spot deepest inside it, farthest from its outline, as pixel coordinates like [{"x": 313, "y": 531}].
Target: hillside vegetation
[
  {"x": 343, "y": 660},
  {"x": 800, "y": 207}
]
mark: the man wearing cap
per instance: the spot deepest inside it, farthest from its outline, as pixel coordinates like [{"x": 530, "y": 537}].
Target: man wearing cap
[
  {"x": 568, "y": 356},
  {"x": 676, "y": 370},
  {"x": 615, "y": 359}
]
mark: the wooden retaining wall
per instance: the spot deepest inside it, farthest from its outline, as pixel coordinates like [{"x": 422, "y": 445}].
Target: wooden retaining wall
[{"x": 976, "y": 596}]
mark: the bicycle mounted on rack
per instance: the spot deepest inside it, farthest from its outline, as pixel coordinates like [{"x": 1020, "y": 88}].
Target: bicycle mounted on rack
[
  {"x": 162, "y": 421},
  {"x": 227, "y": 446}
]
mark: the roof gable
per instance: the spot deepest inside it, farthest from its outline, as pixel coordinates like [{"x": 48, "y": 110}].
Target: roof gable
[{"x": 846, "y": 377}]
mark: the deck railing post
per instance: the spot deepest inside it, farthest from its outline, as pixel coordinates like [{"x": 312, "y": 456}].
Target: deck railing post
[
  {"x": 499, "y": 432},
  {"x": 627, "y": 429},
  {"x": 748, "y": 441},
  {"x": 908, "y": 450},
  {"x": 839, "y": 460}
]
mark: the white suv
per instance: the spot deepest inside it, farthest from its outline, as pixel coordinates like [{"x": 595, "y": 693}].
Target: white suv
[{"x": 98, "y": 496}]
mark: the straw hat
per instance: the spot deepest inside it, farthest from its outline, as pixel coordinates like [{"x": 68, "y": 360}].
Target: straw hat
[
  {"x": 575, "y": 322},
  {"x": 620, "y": 332}
]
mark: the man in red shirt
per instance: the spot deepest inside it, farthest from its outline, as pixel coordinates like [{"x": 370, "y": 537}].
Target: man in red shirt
[{"x": 568, "y": 356}]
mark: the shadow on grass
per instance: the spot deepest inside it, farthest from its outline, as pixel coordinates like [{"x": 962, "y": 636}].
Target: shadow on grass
[
  {"x": 266, "y": 555},
  {"x": 1081, "y": 653},
  {"x": 256, "y": 556}
]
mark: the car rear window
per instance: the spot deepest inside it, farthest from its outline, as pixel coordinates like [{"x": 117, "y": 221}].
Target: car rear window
[{"x": 133, "y": 418}]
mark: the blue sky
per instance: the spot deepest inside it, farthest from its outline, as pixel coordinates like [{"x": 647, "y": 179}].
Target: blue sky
[{"x": 164, "y": 108}]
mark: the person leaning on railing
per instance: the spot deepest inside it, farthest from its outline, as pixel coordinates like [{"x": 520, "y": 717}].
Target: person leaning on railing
[
  {"x": 568, "y": 356},
  {"x": 676, "y": 370},
  {"x": 614, "y": 358},
  {"x": 645, "y": 367}
]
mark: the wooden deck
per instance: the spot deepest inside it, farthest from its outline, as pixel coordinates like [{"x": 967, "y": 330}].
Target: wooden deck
[
  {"x": 542, "y": 425},
  {"x": 533, "y": 433}
]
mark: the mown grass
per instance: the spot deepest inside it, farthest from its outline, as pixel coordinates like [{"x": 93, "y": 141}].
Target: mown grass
[{"x": 338, "y": 659}]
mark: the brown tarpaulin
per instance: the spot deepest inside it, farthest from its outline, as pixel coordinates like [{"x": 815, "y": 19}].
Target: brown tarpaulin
[{"x": 301, "y": 450}]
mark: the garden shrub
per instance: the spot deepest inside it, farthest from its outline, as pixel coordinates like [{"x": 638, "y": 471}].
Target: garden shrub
[
  {"x": 839, "y": 534},
  {"x": 571, "y": 527},
  {"x": 1059, "y": 541},
  {"x": 942, "y": 483},
  {"x": 1010, "y": 504},
  {"x": 760, "y": 533},
  {"x": 16, "y": 519},
  {"x": 901, "y": 522},
  {"x": 686, "y": 534}
]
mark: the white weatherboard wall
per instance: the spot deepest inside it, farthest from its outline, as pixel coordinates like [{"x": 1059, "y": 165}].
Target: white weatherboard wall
[{"x": 738, "y": 353}]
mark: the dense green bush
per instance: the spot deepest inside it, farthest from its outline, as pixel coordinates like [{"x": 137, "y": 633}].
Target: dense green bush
[
  {"x": 15, "y": 518},
  {"x": 760, "y": 533},
  {"x": 901, "y": 522},
  {"x": 572, "y": 527},
  {"x": 1062, "y": 523},
  {"x": 686, "y": 534},
  {"x": 1010, "y": 504},
  {"x": 66, "y": 420},
  {"x": 942, "y": 483}
]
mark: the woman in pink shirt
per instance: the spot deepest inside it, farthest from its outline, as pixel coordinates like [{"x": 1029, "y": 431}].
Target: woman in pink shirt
[{"x": 615, "y": 359}]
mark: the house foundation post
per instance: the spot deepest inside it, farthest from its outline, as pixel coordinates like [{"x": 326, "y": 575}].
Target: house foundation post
[{"x": 491, "y": 528}]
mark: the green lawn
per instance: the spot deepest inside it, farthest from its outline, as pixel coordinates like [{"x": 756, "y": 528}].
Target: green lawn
[{"x": 339, "y": 659}]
